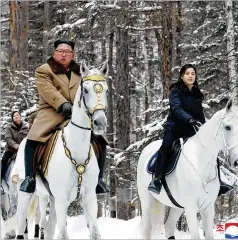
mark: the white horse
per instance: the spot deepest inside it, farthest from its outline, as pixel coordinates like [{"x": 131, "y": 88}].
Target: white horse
[
  {"x": 67, "y": 177},
  {"x": 194, "y": 183},
  {"x": 11, "y": 186}
]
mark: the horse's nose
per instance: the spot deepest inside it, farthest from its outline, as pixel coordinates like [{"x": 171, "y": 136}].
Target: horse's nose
[
  {"x": 96, "y": 123},
  {"x": 236, "y": 164}
]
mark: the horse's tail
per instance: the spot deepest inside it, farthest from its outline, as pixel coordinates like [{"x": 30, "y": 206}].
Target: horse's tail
[{"x": 33, "y": 207}]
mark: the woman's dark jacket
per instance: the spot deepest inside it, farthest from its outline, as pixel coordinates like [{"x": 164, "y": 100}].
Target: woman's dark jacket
[
  {"x": 183, "y": 106},
  {"x": 14, "y": 135}
]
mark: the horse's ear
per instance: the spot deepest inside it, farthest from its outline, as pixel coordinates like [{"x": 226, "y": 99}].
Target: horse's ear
[
  {"x": 84, "y": 69},
  {"x": 105, "y": 68},
  {"x": 229, "y": 105}
]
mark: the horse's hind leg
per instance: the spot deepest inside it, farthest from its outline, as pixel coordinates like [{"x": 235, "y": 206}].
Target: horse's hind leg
[
  {"x": 207, "y": 221},
  {"x": 43, "y": 201},
  {"x": 90, "y": 206},
  {"x": 22, "y": 209},
  {"x": 171, "y": 222},
  {"x": 157, "y": 218},
  {"x": 146, "y": 200},
  {"x": 51, "y": 224}
]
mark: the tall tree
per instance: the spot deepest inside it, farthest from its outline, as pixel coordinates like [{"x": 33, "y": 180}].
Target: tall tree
[
  {"x": 13, "y": 35},
  {"x": 166, "y": 39},
  {"x": 23, "y": 26},
  {"x": 231, "y": 58}
]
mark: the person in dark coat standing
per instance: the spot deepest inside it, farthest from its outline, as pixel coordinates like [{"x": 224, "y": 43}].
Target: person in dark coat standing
[
  {"x": 186, "y": 115},
  {"x": 15, "y": 133}
]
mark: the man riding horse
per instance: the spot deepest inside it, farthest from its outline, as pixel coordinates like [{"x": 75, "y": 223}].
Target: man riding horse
[{"x": 57, "y": 82}]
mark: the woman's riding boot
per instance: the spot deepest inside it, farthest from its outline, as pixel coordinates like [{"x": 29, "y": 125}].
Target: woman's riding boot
[
  {"x": 156, "y": 184},
  {"x": 29, "y": 184},
  {"x": 101, "y": 187},
  {"x": 224, "y": 188}
]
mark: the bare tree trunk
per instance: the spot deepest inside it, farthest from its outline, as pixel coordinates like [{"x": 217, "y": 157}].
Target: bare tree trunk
[
  {"x": 177, "y": 26},
  {"x": 166, "y": 47},
  {"x": 13, "y": 35},
  {"x": 23, "y": 26},
  {"x": 122, "y": 83},
  {"x": 110, "y": 96},
  {"x": 46, "y": 28},
  {"x": 231, "y": 59}
]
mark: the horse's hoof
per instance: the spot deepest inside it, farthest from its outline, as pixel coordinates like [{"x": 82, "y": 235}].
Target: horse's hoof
[
  {"x": 42, "y": 236},
  {"x": 172, "y": 237},
  {"x": 20, "y": 237}
]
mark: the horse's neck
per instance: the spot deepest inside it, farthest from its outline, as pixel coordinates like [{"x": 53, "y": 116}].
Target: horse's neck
[
  {"x": 208, "y": 144},
  {"x": 78, "y": 139}
]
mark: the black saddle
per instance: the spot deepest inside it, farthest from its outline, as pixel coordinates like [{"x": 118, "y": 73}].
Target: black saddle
[{"x": 175, "y": 153}]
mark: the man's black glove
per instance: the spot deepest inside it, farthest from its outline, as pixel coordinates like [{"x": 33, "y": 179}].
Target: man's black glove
[
  {"x": 65, "y": 109},
  {"x": 194, "y": 123}
]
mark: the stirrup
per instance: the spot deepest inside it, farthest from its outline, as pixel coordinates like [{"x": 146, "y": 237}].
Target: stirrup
[
  {"x": 28, "y": 185},
  {"x": 224, "y": 188},
  {"x": 155, "y": 186},
  {"x": 101, "y": 187}
]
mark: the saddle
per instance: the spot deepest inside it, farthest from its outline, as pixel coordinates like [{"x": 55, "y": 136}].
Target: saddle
[
  {"x": 172, "y": 161},
  {"x": 44, "y": 151}
]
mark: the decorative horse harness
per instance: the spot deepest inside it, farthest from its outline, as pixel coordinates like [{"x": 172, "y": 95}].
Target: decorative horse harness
[{"x": 98, "y": 88}]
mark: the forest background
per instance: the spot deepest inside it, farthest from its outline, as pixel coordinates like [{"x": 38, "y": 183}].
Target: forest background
[{"x": 146, "y": 43}]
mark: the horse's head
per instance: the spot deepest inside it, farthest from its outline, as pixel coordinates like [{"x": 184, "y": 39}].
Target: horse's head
[
  {"x": 230, "y": 133},
  {"x": 94, "y": 95}
]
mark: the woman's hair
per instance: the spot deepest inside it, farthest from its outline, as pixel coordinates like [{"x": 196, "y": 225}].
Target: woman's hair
[
  {"x": 181, "y": 85},
  {"x": 14, "y": 113}
]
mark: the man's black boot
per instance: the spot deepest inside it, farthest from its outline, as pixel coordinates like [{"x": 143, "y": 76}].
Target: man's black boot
[
  {"x": 224, "y": 188},
  {"x": 156, "y": 184},
  {"x": 101, "y": 187},
  {"x": 29, "y": 184}
]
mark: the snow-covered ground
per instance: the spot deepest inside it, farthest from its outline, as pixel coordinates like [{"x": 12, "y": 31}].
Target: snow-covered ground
[{"x": 111, "y": 228}]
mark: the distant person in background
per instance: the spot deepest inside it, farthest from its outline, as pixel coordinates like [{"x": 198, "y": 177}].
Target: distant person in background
[
  {"x": 15, "y": 133},
  {"x": 185, "y": 116}
]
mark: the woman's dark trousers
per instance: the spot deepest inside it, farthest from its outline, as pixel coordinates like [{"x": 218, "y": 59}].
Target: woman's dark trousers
[{"x": 162, "y": 159}]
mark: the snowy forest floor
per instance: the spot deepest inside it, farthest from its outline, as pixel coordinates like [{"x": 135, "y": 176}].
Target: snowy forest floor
[{"x": 111, "y": 228}]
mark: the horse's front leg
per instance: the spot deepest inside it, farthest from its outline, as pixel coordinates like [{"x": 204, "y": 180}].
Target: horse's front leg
[
  {"x": 61, "y": 206},
  {"x": 90, "y": 206},
  {"x": 191, "y": 216},
  {"x": 207, "y": 221}
]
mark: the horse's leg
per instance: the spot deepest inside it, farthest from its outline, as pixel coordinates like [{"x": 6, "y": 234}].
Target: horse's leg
[
  {"x": 90, "y": 206},
  {"x": 61, "y": 207},
  {"x": 146, "y": 200},
  {"x": 51, "y": 224},
  {"x": 22, "y": 209},
  {"x": 157, "y": 217},
  {"x": 171, "y": 222},
  {"x": 37, "y": 220},
  {"x": 43, "y": 201},
  {"x": 207, "y": 221},
  {"x": 191, "y": 216},
  {"x": 13, "y": 205}
]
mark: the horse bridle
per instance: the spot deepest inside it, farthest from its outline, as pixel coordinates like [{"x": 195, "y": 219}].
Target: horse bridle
[{"x": 98, "y": 88}]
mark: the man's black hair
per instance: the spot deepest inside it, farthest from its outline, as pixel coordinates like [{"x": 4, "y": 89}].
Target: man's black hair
[{"x": 60, "y": 41}]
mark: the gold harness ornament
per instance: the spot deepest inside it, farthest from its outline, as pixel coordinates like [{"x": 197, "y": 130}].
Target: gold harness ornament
[
  {"x": 98, "y": 88},
  {"x": 80, "y": 168}
]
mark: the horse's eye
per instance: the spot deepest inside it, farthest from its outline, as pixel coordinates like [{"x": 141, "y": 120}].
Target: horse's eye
[
  {"x": 85, "y": 90},
  {"x": 228, "y": 128}
]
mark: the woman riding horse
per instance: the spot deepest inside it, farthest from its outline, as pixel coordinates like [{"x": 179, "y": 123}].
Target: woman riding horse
[
  {"x": 186, "y": 115},
  {"x": 15, "y": 133}
]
